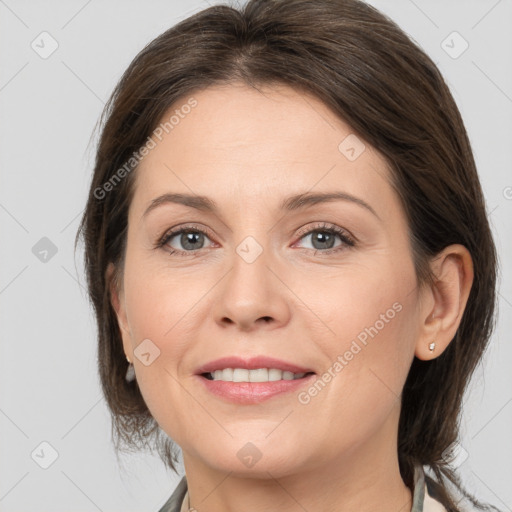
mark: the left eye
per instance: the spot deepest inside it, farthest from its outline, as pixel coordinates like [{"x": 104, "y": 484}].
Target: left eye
[{"x": 322, "y": 239}]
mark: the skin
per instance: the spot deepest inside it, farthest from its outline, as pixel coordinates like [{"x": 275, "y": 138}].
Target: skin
[{"x": 248, "y": 150}]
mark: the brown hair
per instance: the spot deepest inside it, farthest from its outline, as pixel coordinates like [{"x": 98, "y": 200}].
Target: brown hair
[{"x": 368, "y": 71}]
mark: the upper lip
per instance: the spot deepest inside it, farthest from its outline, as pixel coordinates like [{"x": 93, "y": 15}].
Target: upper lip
[{"x": 251, "y": 363}]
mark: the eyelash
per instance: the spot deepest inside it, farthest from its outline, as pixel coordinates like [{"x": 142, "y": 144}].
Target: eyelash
[{"x": 322, "y": 227}]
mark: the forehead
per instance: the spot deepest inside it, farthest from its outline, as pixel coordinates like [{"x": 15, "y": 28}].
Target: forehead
[{"x": 251, "y": 146}]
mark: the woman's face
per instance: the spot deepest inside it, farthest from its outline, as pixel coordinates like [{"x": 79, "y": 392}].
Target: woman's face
[{"x": 268, "y": 278}]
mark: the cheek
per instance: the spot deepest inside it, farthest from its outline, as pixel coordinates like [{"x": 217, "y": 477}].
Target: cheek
[
  {"x": 363, "y": 303},
  {"x": 162, "y": 309},
  {"x": 370, "y": 347},
  {"x": 160, "y": 302}
]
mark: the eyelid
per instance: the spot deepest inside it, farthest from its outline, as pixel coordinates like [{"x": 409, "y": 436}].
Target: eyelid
[{"x": 327, "y": 226}]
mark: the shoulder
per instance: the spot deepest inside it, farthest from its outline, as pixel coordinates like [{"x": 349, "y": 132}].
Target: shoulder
[{"x": 173, "y": 504}]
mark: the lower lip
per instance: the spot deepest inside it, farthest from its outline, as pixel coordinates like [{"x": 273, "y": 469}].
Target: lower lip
[{"x": 253, "y": 392}]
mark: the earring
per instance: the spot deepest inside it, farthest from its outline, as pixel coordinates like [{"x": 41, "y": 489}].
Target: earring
[
  {"x": 130, "y": 372},
  {"x": 432, "y": 346}
]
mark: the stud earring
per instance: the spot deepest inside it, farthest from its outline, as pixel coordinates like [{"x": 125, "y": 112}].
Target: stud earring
[
  {"x": 130, "y": 372},
  {"x": 432, "y": 346}
]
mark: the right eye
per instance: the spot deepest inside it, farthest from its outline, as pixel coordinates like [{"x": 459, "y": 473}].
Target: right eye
[{"x": 184, "y": 240}]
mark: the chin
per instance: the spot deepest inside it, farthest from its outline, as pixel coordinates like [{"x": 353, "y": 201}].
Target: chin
[
  {"x": 253, "y": 459},
  {"x": 263, "y": 469}
]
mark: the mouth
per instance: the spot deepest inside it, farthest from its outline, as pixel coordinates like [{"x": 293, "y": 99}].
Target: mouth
[
  {"x": 255, "y": 375},
  {"x": 249, "y": 381}
]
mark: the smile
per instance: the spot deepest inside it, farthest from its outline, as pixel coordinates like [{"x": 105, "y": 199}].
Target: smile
[{"x": 257, "y": 375}]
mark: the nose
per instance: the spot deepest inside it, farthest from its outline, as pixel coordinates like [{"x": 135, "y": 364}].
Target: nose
[{"x": 253, "y": 295}]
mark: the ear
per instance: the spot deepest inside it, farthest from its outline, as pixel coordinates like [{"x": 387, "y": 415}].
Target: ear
[
  {"x": 443, "y": 304},
  {"x": 118, "y": 303}
]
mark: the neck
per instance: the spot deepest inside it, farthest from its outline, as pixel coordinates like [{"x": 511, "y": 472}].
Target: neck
[{"x": 367, "y": 480}]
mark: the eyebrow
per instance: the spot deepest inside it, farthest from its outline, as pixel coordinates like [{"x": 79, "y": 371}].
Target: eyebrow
[{"x": 292, "y": 203}]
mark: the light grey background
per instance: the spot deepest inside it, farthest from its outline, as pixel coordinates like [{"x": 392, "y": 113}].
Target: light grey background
[{"x": 49, "y": 390}]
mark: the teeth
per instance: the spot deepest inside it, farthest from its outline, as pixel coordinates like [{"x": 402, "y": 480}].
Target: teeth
[
  {"x": 274, "y": 374},
  {"x": 258, "y": 375}
]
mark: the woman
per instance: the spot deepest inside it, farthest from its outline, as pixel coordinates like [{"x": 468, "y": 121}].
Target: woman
[{"x": 290, "y": 261}]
